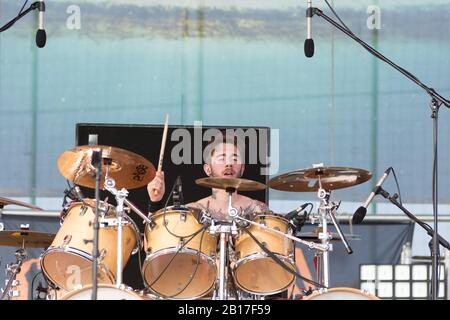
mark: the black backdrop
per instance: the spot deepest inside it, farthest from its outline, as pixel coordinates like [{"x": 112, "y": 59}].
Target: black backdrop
[{"x": 145, "y": 140}]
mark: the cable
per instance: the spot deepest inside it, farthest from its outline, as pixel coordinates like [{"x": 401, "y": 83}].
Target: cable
[
  {"x": 173, "y": 257},
  {"x": 335, "y": 14},
  {"x": 196, "y": 267},
  {"x": 281, "y": 263},
  {"x": 398, "y": 186}
]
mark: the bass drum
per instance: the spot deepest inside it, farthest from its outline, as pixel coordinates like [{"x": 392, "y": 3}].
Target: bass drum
[
  {"x": 104, "y": 292},
  {"x": 341, "y": 294}
]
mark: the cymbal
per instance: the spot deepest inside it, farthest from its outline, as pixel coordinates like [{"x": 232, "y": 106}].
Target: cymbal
[
  {"x": 312, "y": 236},
  {"x": 128, "y": 169},
  {"x": 307, "y": 180},
  {"x": 29, "y": 239},
  {"x": 236, "y": 183},
  {"x": 6, "y": 201}
]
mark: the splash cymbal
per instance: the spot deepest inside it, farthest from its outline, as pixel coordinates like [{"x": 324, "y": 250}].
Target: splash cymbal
[
  {"x": 235, "y": 183},
  {"x": 331, "y": 178},
  {"x": 128, "y": 169}
]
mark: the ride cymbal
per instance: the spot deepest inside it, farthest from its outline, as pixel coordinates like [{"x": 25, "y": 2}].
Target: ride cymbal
[{"x": 331, "y": 178}]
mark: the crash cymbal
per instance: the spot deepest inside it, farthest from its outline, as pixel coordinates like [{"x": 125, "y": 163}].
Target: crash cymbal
[
  {"x": 307, "y": 180},
  {"x": 29, "y": 239},
  {"x": 313, "y": 237},
  {"x": 6, "y": 201},
  {"x": 128, "y": 169},
  {"x": 235, "y": 183}
]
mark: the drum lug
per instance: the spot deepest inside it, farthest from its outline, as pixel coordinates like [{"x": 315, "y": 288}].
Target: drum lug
[
  {"x": 83, "y": 210},
  {"x": 180, "y": 244},
  {"x": 102, "y": 255},
  {"x": 67, "y": 240},
  {"x": 183, "y": 216},
  {"x": 149, "y": 250}
]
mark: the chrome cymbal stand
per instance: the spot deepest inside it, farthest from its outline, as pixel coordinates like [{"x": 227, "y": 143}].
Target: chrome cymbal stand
[
  {"x": 12, "y": 271},
  {"x": 225, "y": 229},
  {"x": 327, "y": 209},
  {"x": 120, "y": 222}
]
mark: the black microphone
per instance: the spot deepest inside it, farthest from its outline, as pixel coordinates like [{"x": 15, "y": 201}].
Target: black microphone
[
  {"x": 293, "y": 213},
  {"x": 177, "y": 194},
  {"x": 41, "y": 36},
  {"x": 309, "y": 42},
  {"x": 360, "y": 213}
]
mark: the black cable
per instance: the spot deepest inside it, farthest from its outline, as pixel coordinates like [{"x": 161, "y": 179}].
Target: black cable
[
  {"x": 173, "y": 257},
  {"x": 336, "y": 15},
  {"x": 281, "y": 263},
  {"x": 398, "y": 186},
  {"x": 14, "y": 20},
  {"x": 196, "y": 267},
  {"x": 435, "y": 249}
]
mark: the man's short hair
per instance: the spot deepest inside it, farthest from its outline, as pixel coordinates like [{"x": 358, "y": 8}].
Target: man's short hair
[{"x": 224, "y": 136}]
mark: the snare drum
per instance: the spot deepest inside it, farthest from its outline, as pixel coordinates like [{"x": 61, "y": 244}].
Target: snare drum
[
  {"x": 254, "y": 271},
  {"x": 68, "y": 261},
  {"x": 341, "y": 294},
  {"x": 176, "y": 267},
  {"x": 104, "y": 292}
]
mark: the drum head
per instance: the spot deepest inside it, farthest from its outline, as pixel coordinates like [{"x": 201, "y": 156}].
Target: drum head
[
  {"x": 104, "y": 292},
  {"x": 69, "y": 269},
  {"x": 262, "y": 275},
  {"x": 170, "y": 274},
  {"x": 341, "y": 294}
]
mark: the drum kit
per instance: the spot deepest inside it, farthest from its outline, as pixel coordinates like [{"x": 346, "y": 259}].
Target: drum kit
[{"x": 189, "y": 254}]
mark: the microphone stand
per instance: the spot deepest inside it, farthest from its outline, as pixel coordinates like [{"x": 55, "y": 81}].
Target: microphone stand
[
  {"x": 32, "y": 7},
  {"x": 97, "y": 164},
  {"x": 428, "y": 229},
  {"x": 436, "y": 102}
]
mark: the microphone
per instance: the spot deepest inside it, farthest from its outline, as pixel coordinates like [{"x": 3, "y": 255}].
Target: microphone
[
  {"x": 293, "y": 213},
  {"x": 309, "y": 42},
  {"x": 178, "y": 193},
  {"x": 360, "y": 213},
  {"x": 41, "y": 36}
]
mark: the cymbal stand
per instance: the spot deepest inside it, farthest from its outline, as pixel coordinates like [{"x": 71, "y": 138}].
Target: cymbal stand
[
  {"x": 12, "y": 271},
  {"x": 327, "y": 208},
  {"x": 225, "y": 229},
  {"x": 120, "y": 198}
]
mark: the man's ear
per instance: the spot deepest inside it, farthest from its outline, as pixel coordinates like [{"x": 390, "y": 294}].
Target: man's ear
[{"x": 207, "y": 169}]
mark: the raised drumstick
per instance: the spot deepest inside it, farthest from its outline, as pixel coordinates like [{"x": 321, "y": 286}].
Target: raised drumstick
[{"x": 163, "y": 146}]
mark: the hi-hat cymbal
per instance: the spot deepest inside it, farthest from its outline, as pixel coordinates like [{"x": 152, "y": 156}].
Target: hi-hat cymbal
[
  {"x": 128, "y": 169},
  {"x": 307, "y": 180},
  {"x": 6, "y": 201},
  {"x": 28, "y": 239},
  {"x": 235, "y": 183}
]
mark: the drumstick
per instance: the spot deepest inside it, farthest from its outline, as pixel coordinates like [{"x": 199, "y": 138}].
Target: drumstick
[{"x": 163, "y": 146}]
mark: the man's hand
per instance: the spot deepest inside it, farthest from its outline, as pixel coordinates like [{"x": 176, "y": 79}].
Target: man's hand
[{"x": 157, "y": 187}]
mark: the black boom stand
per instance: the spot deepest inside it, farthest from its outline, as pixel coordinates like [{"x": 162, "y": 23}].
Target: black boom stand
[{"x": 436, "y": 102}]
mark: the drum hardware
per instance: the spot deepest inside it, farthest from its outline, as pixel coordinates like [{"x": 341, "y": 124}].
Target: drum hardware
[{"x": 12, "y": 270}]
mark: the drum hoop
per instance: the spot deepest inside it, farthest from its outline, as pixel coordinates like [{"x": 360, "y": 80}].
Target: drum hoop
[
  {"x": 256, "y": 256},
  {"x": 343, "y": 289},
  {"x": 164, "y": 251},
  {"x": 76, "y": 252},
  {"x": 99, "y": 286},
  {"x": 171, "y": 209},
  {"x": 139, "y": 242}
]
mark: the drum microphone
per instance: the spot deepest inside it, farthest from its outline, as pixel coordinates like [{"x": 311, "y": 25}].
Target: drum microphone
[
  {"x": 41, "y": 36},
  {"x": 360, "y": 213},
  {"x": 293, "y": 213},
  {"x": 309, "y": 42},
  {"x": 177, "y": 194}
]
